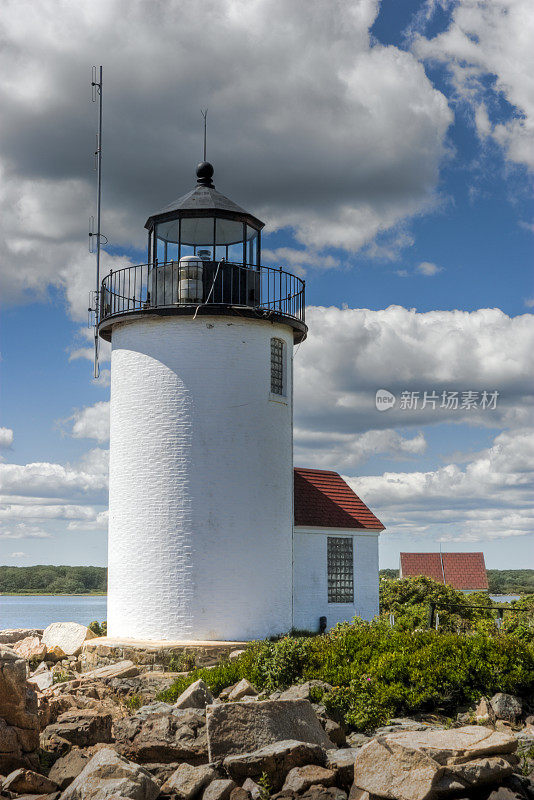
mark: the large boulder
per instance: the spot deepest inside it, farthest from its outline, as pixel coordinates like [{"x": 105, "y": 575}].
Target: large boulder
[
  {"x": 43, "y": 680},
  {"x": 299, "y": 779},
  {"x": 187, "y": 781},
  {"x": 25, "y": 781},
  {"x": 242, "y": 689},
  {"x": 19, "y": 718},
  {"x": 243, "y": 727},
  {"x": 163, "y": 738},
  {"x": 506, "y": 706},
  {"x": 68, "y": 636},
  {"x": 69, "y": 767},
  {"x": 276, "y": 760},
  {"x": 197, "y": 695},
  {"x": 107, "y": 775},
  {"x": 30, "y": 648},
  {"x": 81, "y": 728},
  {"x": 429, "y": 764},
  {"x": 12, "y": 635},
  {"x": 121, "y": 669}
]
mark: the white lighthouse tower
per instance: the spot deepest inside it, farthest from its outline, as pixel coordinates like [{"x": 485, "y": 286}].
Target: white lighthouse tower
[{"x": 201, "y": 466}]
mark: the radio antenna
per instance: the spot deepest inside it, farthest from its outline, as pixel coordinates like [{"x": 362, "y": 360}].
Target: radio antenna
[
  {"x": 205, "y": 116},
  {"x": 96, "y": 86}
]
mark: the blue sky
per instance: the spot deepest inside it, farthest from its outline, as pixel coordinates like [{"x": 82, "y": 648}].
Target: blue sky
[{"x": 390, "y": 153}]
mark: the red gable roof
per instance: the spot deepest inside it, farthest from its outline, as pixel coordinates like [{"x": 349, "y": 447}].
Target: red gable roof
[
  {"x": 324, "y": 500},
  {"x": 459, "y": 570}
]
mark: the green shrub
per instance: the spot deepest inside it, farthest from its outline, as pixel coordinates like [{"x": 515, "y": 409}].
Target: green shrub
[
  {"x": 378, "y": 672},
  {"x": 99, "y": 628},
  {"x": 133, "y": 701}
]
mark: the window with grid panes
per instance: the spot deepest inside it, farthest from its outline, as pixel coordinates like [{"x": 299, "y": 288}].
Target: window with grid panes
[
  {"x": 340, "y": 570},
  {"x": 277, "y": 366}
]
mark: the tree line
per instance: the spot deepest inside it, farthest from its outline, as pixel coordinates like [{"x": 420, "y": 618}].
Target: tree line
[{"x": 48, "y": 579}]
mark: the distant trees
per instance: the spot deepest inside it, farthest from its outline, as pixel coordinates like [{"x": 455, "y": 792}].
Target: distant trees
[{"x": 47, "y": 579}]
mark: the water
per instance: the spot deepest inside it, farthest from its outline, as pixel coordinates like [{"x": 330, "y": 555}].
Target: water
[
  {"x": 504, "y": 598},
  {"x": 38, "y": 611}
]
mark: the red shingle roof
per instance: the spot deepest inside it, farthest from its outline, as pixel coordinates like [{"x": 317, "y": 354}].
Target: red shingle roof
[
  {"x": 324, "y": 500},
  {"x": 460, "y": 570}
]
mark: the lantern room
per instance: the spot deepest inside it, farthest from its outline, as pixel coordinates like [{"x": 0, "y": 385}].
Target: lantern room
[{"x": 207, "y": 224}]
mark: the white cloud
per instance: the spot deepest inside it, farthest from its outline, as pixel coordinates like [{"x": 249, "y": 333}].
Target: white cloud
[
  {"x": 6, "y": 438},
  {"x": 351, "y": 353},
  {"x": 91, "y": 422},
  {"x": 428, "y": 268},
  {"x": 488, "y": 49},
  {"x": 347, "y": 450},
  {"x": 19, "y": 555},
  {"x": 312, "y": 125},
  {"x": 22, "y": 530},
  {"x": 489, "y": 498}
]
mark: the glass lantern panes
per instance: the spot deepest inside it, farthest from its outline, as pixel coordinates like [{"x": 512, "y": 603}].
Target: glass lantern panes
[
  {"x": 277, "y": 366},
  {"x": 340, "y": 570}
]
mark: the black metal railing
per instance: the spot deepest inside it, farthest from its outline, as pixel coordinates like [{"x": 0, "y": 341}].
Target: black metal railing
[{"x": 171, "y": 284}]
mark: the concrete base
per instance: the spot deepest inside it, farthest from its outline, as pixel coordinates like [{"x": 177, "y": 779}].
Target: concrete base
[{"x": 156, "y": 654}]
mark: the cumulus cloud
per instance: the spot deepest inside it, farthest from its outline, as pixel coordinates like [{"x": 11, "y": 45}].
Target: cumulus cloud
[
  {"x": 428, "y": 268},
  {"x": 21, "y": 530},
  {"x": 346, "y": 450},
  {"x": 19, "y": 554},
  {"x": 489, "y": 498},
  {"x": 488, "y": 50},
  {"x": 51, "y": 481},
  {"x": 352, "y": 353},
  {"x": 91, "y": 422},
  {"x": 313, "y": 126},
  {"x": 6, "y": 438}
]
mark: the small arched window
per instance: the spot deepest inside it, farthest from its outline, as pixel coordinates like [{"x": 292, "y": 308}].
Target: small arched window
[{"x": 278, "y": 367}]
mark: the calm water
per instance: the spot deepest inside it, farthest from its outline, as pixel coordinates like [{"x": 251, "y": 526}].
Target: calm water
[
  {"x": 38, "y": 611},
  {"x": 504, "y": 598}
]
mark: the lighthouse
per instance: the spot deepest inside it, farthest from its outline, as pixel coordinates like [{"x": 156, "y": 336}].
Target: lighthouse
[{"x": 201, "y": 444}]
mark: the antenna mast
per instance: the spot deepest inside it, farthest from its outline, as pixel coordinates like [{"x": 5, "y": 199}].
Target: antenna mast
[
  {"x": 205, "y": 116},
  {"x": 96, "y": 85}
]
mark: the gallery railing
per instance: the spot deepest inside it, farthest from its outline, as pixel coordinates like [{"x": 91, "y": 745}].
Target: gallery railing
[{"x": 172, "y": 284}]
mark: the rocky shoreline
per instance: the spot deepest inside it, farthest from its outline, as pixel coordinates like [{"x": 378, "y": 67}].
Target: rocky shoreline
[{"x": 68, "y": 734}]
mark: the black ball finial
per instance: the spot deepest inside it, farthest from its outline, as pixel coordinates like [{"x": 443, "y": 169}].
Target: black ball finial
[{"x": 205, "y": 173}]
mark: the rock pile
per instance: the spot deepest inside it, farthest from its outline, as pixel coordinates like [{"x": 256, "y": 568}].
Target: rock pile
[{"x": 96, "y": 745}]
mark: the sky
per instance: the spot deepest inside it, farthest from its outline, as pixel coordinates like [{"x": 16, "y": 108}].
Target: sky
[{"x": 387, "y": 145}]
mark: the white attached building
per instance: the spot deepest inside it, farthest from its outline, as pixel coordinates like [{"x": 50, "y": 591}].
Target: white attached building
[
  {"x": 335, "y": 552},
  {"x": 201, "y": 543}
]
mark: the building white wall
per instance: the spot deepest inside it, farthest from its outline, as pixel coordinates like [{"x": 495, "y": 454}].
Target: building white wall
[
  {"x": 201, "y": 481},
  {"x": 310, "y": 592}
]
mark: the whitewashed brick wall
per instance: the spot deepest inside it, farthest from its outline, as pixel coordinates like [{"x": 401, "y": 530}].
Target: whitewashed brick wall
[
  {"x": 310, "y": 578},
  {"x": 201, "y": 481}
]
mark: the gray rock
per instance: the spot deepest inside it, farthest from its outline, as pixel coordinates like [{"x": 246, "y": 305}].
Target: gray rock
[
  {"x": 187, "y": 781},
  {"x": 301, "y": 691},
  {"x": 242, "y": 689},
  {"x": 335, "y": 732},
  {"x": 244, "y": 727},
  {"x": 253, "y": 788},
  {"x": 154, "y": 708},
  {"x": 299, "y": 779},
  {"x": 275, "y": 760},
  {"x": 122, "y": 669},
  {"x": 82, "y": 728},
  {"x": 219, "y": 789},
  {"x": 26, "y": 781},
  {"x": 19, "y": 719},
  {"x": 506, "y": 706},
  {"x": 235, "y": 654},
  {"x": 12, "y": 635},
  {"x": 69, "y": 636},
  {"x": 164, "y": 738},
  {"x": 342, "y": 761},
  {"x": 240, "y": 794},
  {"x": 195, "y": 696},
  {"x": 108, "y": 774},
  {"x": 42, "y": 680},
  {"x": 69, "y": 767},
  {"x": 325, "y": 793}
]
